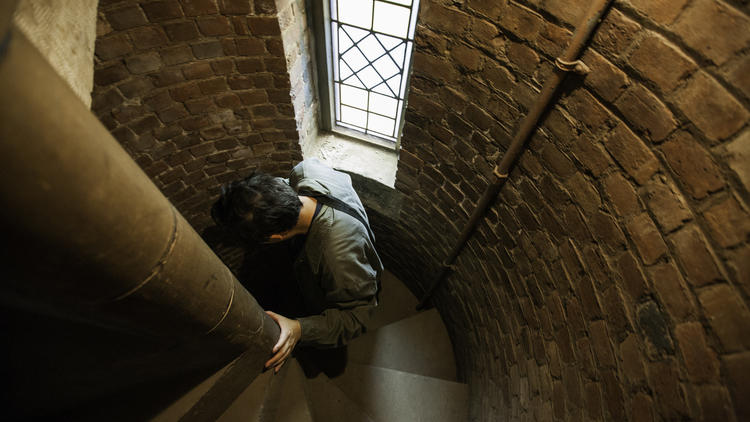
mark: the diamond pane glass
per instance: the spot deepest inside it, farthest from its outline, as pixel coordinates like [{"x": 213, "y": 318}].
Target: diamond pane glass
[
  {"x": 371, "y": 51},
  {"x": 354, "y": 97},
  {"x": 355, "y": 12},
  {"x": 380, "y": 124},
  {"x": 391, "y": 19},
  {"x": 353, "y": 116},
  {"x": 383, "y": 104}
]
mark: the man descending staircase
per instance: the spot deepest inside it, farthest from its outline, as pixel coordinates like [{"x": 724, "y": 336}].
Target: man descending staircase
[{"x": 402, "y": 370}]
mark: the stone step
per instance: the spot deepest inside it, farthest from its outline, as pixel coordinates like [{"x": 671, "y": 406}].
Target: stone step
[
  {"x": 293, "y": 404},
  {"x": 418, "y": 344},
  {"x": 396, "y": 302},
  {"x": 248, "y": 407},
  {"x": 388, "y": 395},
  {"x": 329, "y": 403},
  {"x": 181, "y": 406}
]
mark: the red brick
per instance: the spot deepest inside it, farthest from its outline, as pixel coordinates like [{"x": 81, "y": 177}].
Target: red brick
[
  {"x": 661, "y": 62},
  {"x": 584, "y": 193},
  {"x": 467, "y": 57},
  {"x": 667, "y": 205},
  {"x": 739, "y": 261},
  {"x": 111, "y": 47},
  {"x": 181, "y": 31},
  {"x": 615, "y": 34},
  {"x": 558, "y": 162},
  {"x": 737, "y": 73},
  {"x": 266, "y": 7},
  {"x": 126, "y": 17},
  {"x": 587, "y": 109},
  {"x": 213, "y": 86},
  {"x": 694, "y": 166},
  {"x": 593, "y": 401},
  {"x": 632, "y": 361},
  {"x": 235, "y": 7},
  {"x": 553, "y": 39},
  {"x": 613, "y": 395},
  {"x": 223, "y": 66},
  {"x": 663, "y": 12},
  {"x": 727, "y": 315},
  {"x": 632, "y": 154},
  {"x": 207, "y": 50},
  {"x": 144, "y": 125},
  {"x": 172, "y": 113},
  {"x": 617, "y": 313},
  {"x": 672, "y": 292},
  {"x": 711, "y": 108},
  {"x": 621, "y": 194},
  {"x": 523, "y": 57},
  {"x": 521, "y": 21},
  {"x": 647, "y": 238},
  {"x": 664, "y": 381},
  {"x": 696, "y": 257},
  {"x": 199, "y": 7},
  {"x": 700, "y": 361},
  {"x": 110, "y": 75},
  {"x": 738, "y": 157},
  {"x": 275, "y": 65},
  {"x": 144, "y": 63},
  {"x": 607, "y": 232},
  {"x": 214, "y": 25},
  {"x": 605, "y": 78},
  {"x": 444, "y": 19},
  {"x": 250, "y": 46},
  {"x": 644, "y": 112},
  {"x": 197, "y": 70},
  {"x": 488, "y": 8},
  {"x": 728, "y": 222},
  {"x": 147, "y": 37},
  {"x": 252, "y": 65},
  {"x": 136, "y": 87},
  {"x": 590, "y": 155},
  {"x": 176, "y": 55},
  {"x": 185, "y": 92},
  {"x": 126, "y": 112},
  {"x": 715, "y": 404},
  {"x": 697, "y": 27},
  {"x": 158, "y": 101},
  {"x": 601, "y": 344},
  {"x": 642, "y": 408},
  {"x": 738, "y": 371},
  {"x": 264, "y": 25},
  {"x": 162, "y": 10},
  {"x": 253, "y": 97}
]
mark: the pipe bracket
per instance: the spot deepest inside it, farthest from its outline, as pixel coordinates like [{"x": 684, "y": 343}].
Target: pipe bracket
[
  {"x": 576, "y": 66},
  {"x": 496, "y": 172}
]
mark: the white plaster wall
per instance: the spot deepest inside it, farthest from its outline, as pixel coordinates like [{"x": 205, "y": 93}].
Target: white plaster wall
[
  {"x": 297, "y": 40},
  {"x": 64, "y": 31}
]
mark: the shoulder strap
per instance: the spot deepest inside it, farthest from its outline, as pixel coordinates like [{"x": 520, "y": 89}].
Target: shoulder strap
[{"x": 339, "y": 205}]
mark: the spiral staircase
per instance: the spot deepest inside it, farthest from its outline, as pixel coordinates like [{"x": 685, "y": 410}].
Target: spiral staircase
[{"x": 403, "y": 369}]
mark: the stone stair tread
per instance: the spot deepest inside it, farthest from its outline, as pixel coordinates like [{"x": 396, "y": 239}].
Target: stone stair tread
[
  {"x": 418, "y": 344},
  {"x": 293, "y": 406},
  {"x": 329, "y": 403},
  {"x": 249, "y": 405},
  {"x": 388, "y": 395},
  {"x": 396, "y": 302},
  {"x": 178, "y": 408}
]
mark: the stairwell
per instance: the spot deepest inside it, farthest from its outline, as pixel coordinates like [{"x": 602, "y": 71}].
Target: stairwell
[{"x": 403, "y": 369}]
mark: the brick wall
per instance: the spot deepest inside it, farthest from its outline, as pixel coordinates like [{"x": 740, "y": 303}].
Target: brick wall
[
  {"x": 198, "y": 93},
  {"x": 611, "y": 280}
]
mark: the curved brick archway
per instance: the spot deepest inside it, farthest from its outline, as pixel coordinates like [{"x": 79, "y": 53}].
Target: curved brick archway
[
  {"x": 197, "y": 91},
  {"x": 609, "y": 282}
]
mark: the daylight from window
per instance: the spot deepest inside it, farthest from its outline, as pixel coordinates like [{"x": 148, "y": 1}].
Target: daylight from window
[{"x": 371, "y": 45}]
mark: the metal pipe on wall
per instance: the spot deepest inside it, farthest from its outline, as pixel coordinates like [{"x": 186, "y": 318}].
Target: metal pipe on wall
[
  {"x": 565, "y": 63},
  {"x": 88, "y": 236}
]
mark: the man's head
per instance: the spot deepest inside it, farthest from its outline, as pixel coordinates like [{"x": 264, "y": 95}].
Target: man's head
[{"x": 257, "y": 207}]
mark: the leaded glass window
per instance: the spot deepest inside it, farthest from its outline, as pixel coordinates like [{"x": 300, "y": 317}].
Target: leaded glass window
[{"x": 370, "y": 47}]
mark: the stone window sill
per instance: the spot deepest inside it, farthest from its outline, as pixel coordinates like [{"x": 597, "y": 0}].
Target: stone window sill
[{"x": 374, "y": 161}]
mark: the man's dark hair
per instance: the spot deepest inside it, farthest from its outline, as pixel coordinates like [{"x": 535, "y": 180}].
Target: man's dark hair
[{"x": 257, "y": 207}]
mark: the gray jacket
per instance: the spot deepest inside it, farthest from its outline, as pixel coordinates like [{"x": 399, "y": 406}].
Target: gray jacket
[{"x": 338, "y": 269}]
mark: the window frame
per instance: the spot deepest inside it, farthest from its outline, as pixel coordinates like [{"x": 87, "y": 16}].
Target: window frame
[{"x": 321, "y": 29}]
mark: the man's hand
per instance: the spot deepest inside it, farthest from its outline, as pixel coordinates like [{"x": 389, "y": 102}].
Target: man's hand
[{"x": 291, "y": 331}]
